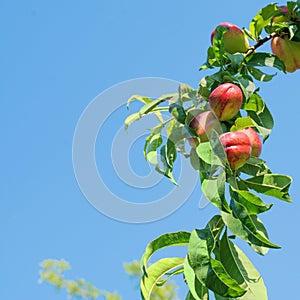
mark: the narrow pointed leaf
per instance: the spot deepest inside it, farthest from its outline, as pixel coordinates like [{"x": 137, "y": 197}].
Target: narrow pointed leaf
[
  {"x": 155, "y": 272},
  {"x": 202, "y": 243},
  {"x": 239, "y": 267},
  {"x": 255, "y": 237},
  {"x": 263, "y": 121},
  {"x": 213, "y": 189},
  {"x": 198, "y": 290},
  {"x": 258, "y": 238},
  {"x": 143, "y": 99},
  {"x": 259, "y": 75},
  {"x": 180, "y": 238},
  {"x": 150, "y": 106},
  {"x": 274, "y": 185},
  {"x": 250, "y": 201},
  {"x": 220, "y": 282},
  {"x": 130, "y": 119}
]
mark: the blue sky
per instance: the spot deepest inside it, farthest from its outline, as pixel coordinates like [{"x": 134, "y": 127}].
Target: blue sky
[{"x": 56, "y": 57}]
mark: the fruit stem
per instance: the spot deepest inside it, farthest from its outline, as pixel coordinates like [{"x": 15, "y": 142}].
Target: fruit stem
[{"x": 260, "y": 43}]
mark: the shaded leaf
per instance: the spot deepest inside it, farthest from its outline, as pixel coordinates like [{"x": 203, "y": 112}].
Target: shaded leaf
[
  {"x": 264, "y": 121},
  {"x": 178, "y": 112},
  {"x": 239, "y": 267},
  {"x": 255, "y": 167},
  {"x": 253, "y": 204},
  {"x": 220, "y": 282},
  {"x": 259, "y": 75}
]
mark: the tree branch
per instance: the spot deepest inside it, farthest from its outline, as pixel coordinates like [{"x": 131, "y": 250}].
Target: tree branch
[{"x": 260, "y": 43}]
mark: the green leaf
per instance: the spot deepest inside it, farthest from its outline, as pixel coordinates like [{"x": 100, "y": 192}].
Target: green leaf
[
  {"x": 178, "y": 112},
  {"x": 255, "y": 103},
  {"x": 150, "y": 106},
  {"x": 204, "y": 87},
  {"x": 130, "y": 119},
  {"x": 194, "y": 159},
  {"x": 259, "y": 75},
  {"x": 262, "y": 19},
  {"x": 261, "y": 59},
  {"x": 255, "y": 167},
  {"x": 218, "y": 148},
  {"x": 218, "y": 297},
  {"x": 137, "y": 116},
  {"x": 216, "y": 56},
  {"x": 213, "y": 189},
  {"x": 151, "y": 152},
  {"x": 264, "y": 121},
  {"x": 156, "y": 131},
  {"x": 172, "y": 125},
  {"x": 239, "y": 267},
  {"x": 167, "y": 156},
  {"x": 202, "y": 243},
  {"x": 169, "y": 275},
  {"x": 180, "y": 238},
  {"x": 242, "y": 123},
  {"x": 244, "y": 227},
  {"x": 247, "y": 86},
  {"x": 253, "y": 204},
  {"x": 237, "y": 228},
  {"x": 171, "y": 153},
  {"x": 220, "y": 282},
  {"x": 263, "y": 231},
  {"x": 206, "y": 153},
  {"x": 249, "y": 34},
  {"x": 187, "y": 93},
  {"x": 274, "y": 185},
  {"x": 139, "y": 98},
  {"x": 198, "y": 290},
  {"x": 236, "y": 60},
  {"x": 155, "y": 272}
]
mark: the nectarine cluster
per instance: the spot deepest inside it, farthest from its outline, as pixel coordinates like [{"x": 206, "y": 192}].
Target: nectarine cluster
[{"x": 225, "y": 102}]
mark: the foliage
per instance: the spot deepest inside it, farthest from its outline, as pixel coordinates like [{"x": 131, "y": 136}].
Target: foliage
[
  {"x": 52, "y": 272},
  {"x": 213, "y": 262}
]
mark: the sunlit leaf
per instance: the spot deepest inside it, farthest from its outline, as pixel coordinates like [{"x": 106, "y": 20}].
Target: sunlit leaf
[
  {"x": 155, "y": 272},
  {"x": 180, "y": 238},
  {"x": 274, "y": 185}
]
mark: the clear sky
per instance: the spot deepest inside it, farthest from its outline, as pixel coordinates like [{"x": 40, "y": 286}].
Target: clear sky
[{"x": 56, "y": 56}]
